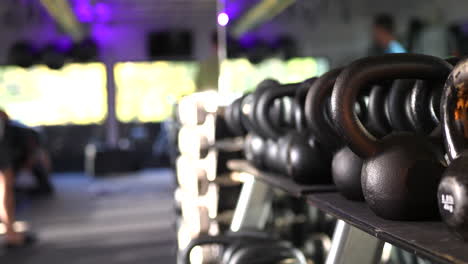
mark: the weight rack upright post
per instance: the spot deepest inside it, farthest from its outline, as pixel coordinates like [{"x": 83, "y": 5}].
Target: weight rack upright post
[
  {"x": 253, "y": 206},
  {"x": 353, "y": 246}
]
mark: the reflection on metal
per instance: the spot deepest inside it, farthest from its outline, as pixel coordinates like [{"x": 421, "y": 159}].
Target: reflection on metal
[
  {"x": 386, "y": 253},
  {"x": 61, "y": 11},
  {"x": 351, "y": 245},
  {"x": 241, "y": 177},
  {"x": 260, "y": 13}
]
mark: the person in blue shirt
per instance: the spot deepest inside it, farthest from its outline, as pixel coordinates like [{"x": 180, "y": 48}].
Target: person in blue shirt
[{"x": 383, "y": 34}]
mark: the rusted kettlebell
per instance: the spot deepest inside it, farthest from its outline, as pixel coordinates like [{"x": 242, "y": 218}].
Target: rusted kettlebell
[
  {"x": 453, "y": 189},
  {"x": 423, "y": 104}
]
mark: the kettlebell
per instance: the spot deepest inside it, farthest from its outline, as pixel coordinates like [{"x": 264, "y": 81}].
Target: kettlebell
[
  {"x": 299, "y": 104},
  {"x": 434, "y": 101},
  {"x": 271, "y": 127},
  {"x": 254, "y": 144},
  {"x": 423, "y": 104},
  {"x": 233, "y": 115},
  {"x": 378, "y": 123},
  {"x": 248, "y": 104},
  {"x": 452, "y": 193},
  {"x": 345, "y": 166},
  {"x": 221, "y": 126},
  {"x": 419, "y": 106},
  {"x": 401, "y": 171},
  {"x": 298, "y": 154},
  {"x": 397, "y": 101},
  {"x": 272, "y": 131}
]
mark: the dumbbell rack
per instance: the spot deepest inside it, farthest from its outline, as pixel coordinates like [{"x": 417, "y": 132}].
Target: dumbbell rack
[{"x": 429, "y": 239}]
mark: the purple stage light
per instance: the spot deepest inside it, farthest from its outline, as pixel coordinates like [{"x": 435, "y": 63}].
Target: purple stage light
[
  {"x": 223, "y": 19},
  {"x": 64, "y": 43},
  {"x": 103, "y": 12},
  {"x": 84, "y": 12}
]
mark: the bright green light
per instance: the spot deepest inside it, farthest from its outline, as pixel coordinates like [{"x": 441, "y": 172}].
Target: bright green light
[
  {"x": 75, "y": 94},
  {"x": 240, "y": 76},
  {"x": 146, "y": 91}
]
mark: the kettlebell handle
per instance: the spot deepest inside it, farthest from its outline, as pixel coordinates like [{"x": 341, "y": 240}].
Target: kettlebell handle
[
  {"x": 264, "y": 103},
  {"x": 299, "y": 103},
  {"x": 370, "y": 70},
  {"x": 316, "y": 100},
  {"x": 453, "y": 112},
  {"x": 249, "y": 112}
]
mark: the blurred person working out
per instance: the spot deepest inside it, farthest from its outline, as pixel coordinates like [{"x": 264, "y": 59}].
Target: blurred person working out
[{"x": 11, "y": 154}]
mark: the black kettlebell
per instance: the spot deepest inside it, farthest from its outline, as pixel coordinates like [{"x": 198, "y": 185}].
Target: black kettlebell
[
  {"x": 401, "y": 171},
  {"x": 233, "y": 115},
  {"x": 299, "y": 104},
  {"x": 378, "y": 123},
  {"x": 298, "y": 154},
  {"x": 397, "y": 101},
  {"x": 419, "y": 109},
  {"x": 266, "y": 110},
  {"x": 453, "y": 188},
  {"x": 434, "y": 101},
  {"x": 418, "y": 106},
  {"x": 345, "y": 166},
  {"x": 222, "y": 127},
  {"x": 254, "y": 144},
  {"x": 277, "y": 113},
  {"x": 271, "y": 126}
]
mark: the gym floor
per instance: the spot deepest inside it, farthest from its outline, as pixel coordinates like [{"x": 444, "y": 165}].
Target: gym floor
[{"x": 119, "y": 219}]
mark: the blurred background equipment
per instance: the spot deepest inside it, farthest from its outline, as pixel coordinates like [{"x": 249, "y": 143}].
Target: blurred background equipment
[{"x": 170, "y": 44}]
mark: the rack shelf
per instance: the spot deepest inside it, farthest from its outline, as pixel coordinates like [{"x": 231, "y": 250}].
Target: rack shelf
[
  {"x": 429, "y": 239},
  {"x": 279, "y": 181}
]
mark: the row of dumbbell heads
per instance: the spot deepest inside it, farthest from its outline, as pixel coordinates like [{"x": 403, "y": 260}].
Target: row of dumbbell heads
[{"x": 391, "y": 130}]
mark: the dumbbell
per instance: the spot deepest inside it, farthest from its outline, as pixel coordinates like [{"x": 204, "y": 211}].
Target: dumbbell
[
  {"x": 194, "y": 141},
  {"x": 193, "y": 109}
]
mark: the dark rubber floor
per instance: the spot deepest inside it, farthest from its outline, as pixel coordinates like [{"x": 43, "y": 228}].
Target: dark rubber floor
[{"x": 120, "y": 219}]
